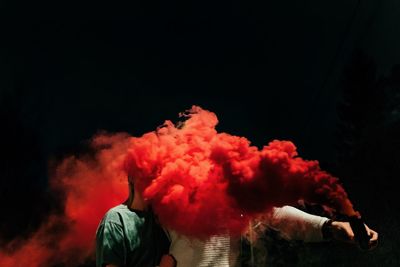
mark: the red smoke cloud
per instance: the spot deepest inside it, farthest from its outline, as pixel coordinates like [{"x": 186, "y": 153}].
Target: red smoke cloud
[
  {"x": 91, "y": 186},
  {"x": 201, "y": 182},
  {"x": 198, "y": 181}
]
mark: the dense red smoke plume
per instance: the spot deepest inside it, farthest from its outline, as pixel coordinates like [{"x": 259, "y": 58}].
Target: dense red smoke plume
[
  {"x": 198, "y": 181},
  {"x": 201, "y": 182}
]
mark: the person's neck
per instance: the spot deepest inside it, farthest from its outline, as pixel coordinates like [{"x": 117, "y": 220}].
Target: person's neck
[
  {"x": 138, "y": 202},
  {"x": 138, "y": 205}
]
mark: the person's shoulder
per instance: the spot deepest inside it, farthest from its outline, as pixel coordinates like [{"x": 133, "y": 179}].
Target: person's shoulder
[
  {"x": 121, "y": 215},
  {"x": 116, "y": 214},
  {"x": 118, "y": 209}
]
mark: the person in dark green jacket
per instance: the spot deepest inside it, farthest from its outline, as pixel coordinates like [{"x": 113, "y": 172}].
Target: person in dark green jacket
[{"x": 129, "y": 235}]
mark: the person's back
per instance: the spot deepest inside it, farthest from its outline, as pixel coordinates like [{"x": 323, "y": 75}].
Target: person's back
[{"x": 215, "y": 251}]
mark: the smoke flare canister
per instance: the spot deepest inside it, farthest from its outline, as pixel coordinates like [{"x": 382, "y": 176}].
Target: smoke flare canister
[{"x": 360, "y": 232}]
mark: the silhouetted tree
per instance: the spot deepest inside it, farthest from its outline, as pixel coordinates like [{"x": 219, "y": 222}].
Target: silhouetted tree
[
  {"x": 367, "y": 151},
  {"x": 361, "y": 118}
]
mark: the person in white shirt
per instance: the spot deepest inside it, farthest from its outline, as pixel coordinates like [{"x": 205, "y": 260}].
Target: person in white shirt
[{"x": 291, "y": 223}]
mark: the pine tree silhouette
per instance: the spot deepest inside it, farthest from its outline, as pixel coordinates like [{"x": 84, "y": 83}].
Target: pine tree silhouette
[{"x": 361, "y": 117}]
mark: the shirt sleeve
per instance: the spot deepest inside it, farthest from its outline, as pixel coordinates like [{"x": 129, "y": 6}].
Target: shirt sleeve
[
  {"x": 110, "y": 245},
  {"x": 294, "y": 224}
]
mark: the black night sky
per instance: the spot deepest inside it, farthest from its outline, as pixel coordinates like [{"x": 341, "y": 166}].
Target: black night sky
[{"x": 320, "y": 73}]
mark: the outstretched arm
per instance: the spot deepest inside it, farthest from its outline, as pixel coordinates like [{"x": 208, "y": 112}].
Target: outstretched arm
[{"x": 294, "y": 224}]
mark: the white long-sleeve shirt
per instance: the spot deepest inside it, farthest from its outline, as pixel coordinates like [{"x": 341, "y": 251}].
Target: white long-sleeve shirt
[{"x": 221, "y": 251}]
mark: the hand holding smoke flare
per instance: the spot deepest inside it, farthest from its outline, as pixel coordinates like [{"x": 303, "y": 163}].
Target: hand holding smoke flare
[
  {"x": 198, "y": 181},
  {"x": 360, "y": 232}
]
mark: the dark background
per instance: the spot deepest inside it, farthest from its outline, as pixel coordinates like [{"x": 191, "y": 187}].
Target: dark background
[{"x": 320, "y": 73}]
